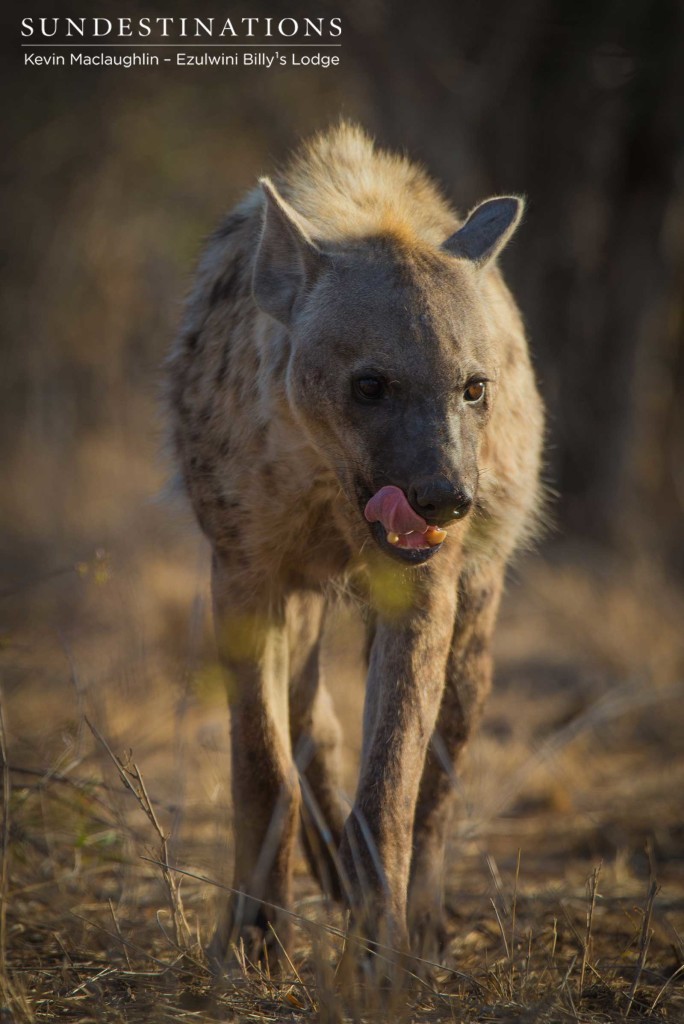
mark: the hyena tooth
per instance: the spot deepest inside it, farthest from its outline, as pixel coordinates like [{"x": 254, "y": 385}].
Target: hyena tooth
[
  {"x": 393, "y": 538},
  {"x": 434, "y": 535}
]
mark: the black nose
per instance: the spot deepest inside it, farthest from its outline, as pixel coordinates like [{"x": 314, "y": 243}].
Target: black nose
[{"x": 440, "y": 502}]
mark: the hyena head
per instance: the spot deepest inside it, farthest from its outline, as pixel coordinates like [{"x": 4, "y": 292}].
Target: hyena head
[{"x": 392, "y": 363}]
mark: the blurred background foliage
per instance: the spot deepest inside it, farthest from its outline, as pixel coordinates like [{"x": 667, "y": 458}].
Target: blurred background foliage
[{"x": 112, "y": 177}]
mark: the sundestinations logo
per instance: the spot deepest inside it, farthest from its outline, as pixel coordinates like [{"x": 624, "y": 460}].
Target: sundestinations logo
[{"x": 150, "y": 29}]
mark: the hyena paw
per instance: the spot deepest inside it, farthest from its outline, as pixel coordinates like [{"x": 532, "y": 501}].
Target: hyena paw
[
  {"x": 428, "y": 930},
  {"x": 242, "y": 943}
]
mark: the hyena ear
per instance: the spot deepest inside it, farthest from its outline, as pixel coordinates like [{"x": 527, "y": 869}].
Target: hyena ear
[
  {"x": 287, "y": 261},
  {"x": 486, "y": 230}
]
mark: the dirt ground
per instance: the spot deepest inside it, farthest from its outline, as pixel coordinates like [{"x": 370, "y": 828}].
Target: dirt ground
[{"x": 565, "y": 874}]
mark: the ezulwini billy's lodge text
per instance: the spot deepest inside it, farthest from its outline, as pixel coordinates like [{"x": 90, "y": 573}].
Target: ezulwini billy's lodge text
[{"x": 262, "y": 59}]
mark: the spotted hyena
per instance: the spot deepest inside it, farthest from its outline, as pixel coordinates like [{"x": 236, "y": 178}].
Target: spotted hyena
[{"x": 353, "y": 402}]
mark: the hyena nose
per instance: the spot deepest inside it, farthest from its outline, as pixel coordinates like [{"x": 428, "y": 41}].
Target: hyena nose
[{"x": 438, "y": 501}]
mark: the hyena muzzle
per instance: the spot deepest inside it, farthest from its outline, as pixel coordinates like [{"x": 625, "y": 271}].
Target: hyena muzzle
[{"x": 353, "y": 402}]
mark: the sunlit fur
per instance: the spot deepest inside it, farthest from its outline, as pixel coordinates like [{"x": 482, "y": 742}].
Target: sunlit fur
[{"x": 277, "y": 464}]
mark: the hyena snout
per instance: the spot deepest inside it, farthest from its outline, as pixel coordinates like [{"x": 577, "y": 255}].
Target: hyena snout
[{"x": 439, "y": 500}]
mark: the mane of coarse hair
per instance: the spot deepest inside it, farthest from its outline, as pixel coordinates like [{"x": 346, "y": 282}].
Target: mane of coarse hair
[{"x": 348, "y": 188}]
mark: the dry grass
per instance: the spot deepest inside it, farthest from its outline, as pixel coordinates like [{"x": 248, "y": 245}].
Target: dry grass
[{"x": 565, "y": 882}]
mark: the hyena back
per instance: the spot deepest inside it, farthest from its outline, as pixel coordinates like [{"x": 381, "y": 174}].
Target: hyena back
[{"x": 352, "y": 399}]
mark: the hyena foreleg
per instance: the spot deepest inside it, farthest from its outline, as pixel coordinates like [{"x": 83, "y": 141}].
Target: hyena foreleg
[
  {"x": 468, "y": 681},
  {"x": 316, "y": 736},
  {"x": 254, "y": 650},
  {"x": 404, "y": 689}
]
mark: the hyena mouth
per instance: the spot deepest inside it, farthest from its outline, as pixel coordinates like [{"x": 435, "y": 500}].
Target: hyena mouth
[
  {"x": 405, "y": 555},
  {"x": 399, "y": 529}
]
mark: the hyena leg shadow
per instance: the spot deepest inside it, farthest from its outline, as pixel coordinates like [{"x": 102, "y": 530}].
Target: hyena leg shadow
[
  {"x": 315, "y": 735},
  {"x": 468, "y": 682},
  {"x": 253, "y": 647}
]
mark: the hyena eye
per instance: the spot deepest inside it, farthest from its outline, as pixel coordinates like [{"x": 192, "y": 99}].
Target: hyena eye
[
  {"x": 369, "y": 389},
  {"x": 475, "y": 391}
]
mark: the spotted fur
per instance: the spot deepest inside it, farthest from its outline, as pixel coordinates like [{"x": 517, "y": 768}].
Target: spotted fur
[{"x": 351, "y": 258}]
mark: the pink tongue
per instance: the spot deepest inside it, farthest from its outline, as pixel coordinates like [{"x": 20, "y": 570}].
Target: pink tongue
[{"x": 391, "y": 508}]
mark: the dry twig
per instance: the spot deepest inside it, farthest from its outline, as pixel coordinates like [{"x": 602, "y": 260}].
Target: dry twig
[
  {"x": 644, "y": 942},
  {"x": 592, "y": 891},
  {"x": 132, "y": 779}
]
